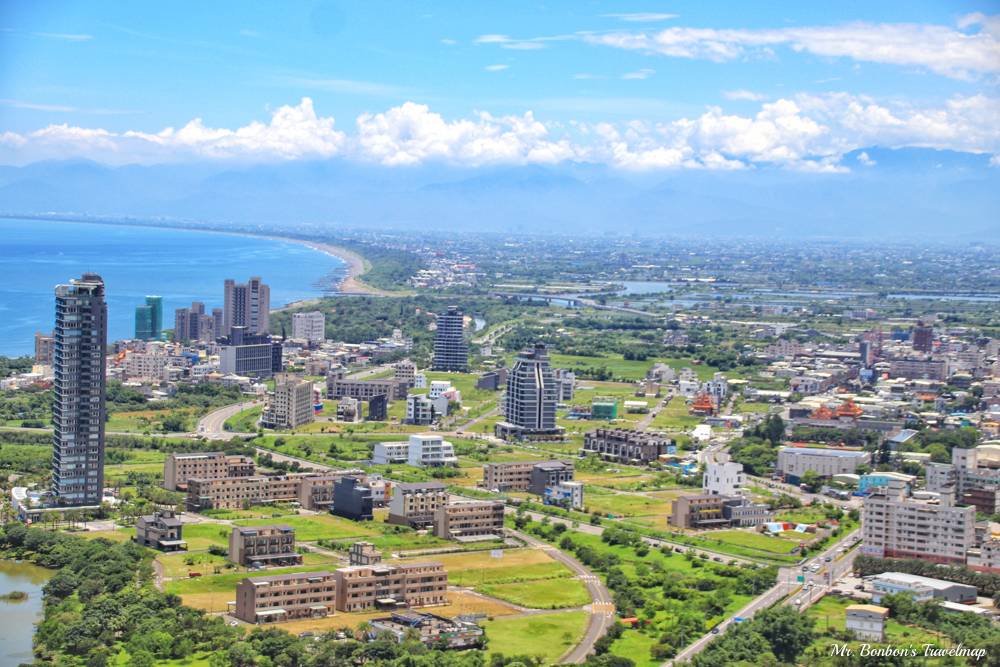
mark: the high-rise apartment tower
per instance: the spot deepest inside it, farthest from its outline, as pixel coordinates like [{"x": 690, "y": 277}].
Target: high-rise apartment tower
[
  {"x": 532, "y": 394},
  {"x": 149, "y": 319},
  {"x": 78, "y": 402},
  {"x": 451, "y": 353},
  {"x": 246, "y": 305}
]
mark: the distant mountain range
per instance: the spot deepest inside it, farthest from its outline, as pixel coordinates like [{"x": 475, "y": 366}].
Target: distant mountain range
[{"x": 905, "y": 194}]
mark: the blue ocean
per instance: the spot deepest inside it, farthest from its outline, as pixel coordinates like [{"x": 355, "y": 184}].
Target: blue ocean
[{"x": 180, "y": 266}]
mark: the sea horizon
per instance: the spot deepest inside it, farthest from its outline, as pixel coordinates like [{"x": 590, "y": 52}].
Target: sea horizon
[{"x": 135, "y": 261}]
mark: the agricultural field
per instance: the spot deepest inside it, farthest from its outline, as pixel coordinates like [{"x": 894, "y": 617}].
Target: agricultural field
[
  {"x": 549, "y": 635},
  {"x": 552, "y": 594},
  {"x": 312, "y": 528}
]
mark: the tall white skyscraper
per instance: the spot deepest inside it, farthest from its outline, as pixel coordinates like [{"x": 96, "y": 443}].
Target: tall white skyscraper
[
  {"x": 78, "y": 403},
  {"x": 246, "y": 305}
]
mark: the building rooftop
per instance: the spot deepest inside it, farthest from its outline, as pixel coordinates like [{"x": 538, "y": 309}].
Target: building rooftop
[
  {"x": 868, "y": 607},
  {"x": 287, "y": 577},
  {"x": 255, "y": 529},
  {"x": 822, "y": 452},
  {"x": 901, "y": 577},
  {"x": 417, "y": 486}
]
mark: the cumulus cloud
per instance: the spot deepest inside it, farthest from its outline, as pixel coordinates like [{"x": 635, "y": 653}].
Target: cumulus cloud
[
  {"x": 805, "y": 132},
  {"x": 941, "y": 49},
  {"x": 743, "y": 95},
  {"x": 865, "y": 160}
]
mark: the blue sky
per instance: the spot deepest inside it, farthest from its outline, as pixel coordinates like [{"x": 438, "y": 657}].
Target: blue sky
[{"x": 638, "y": 85}]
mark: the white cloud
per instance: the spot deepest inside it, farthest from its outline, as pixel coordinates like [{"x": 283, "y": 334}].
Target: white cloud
[
  {"x": 71, "y": 38},
  {"x": 641, "y": 17},
  {"x": 17, "y": 104},
  {"x": 447, "y": 41},
  {"x": 806, "y": 132},
  {"x": 523, "y": 46},
  {"x": 743, "y": 95},
  {"x": 496, "y": 68},
  {"x": 940, "y": 49},
  {"x": 641, "y": 74},
  {"x": 865, "y": 160}
]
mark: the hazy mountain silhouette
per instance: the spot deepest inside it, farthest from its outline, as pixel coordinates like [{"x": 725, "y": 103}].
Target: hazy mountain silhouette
[{"x": 899, "y": 194}]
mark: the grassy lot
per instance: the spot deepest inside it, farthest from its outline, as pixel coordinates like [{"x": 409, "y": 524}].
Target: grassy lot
[
  {"x": 553, "y": 594},
  {"x": 635, "y": 646},
  {"x": 622, "y": 505},
  {"x": 476, "y": 567},
  {"x": 118, "y": 471},
  {"x": 616, "y": 365},
  {"x": 120, "y": 535},
  {"x": 200, "y": 536},
  {"x": 150, "y": 420},
  {"x": 704, "y": 372},
  {"x": 756, "y": 541},
  {"x": 174, "y": 565},
  {"x": 549, "y": 635},
  {"x": 755, "y": 407},
  {"x": 311, "y": 528},
  {"x": 196, "y": 659},
  {"x": 216, "y": 590}
]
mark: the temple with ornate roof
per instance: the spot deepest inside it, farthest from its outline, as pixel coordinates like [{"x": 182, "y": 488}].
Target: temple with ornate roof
[{"x": 703, "y": 405}]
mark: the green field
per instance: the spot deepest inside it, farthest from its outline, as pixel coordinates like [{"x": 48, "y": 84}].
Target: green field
[
  {"x": 311, "y": 528},
  {"x": 755, "y": 541},
  {"x": 616, "y": 365},
  {"x": 621, "y": 505},
  {"x": 550, "y": 635},
  {"x": 635, "y": 646},
  {"x": 200, "y": 536},
  {"x": 553, "y": 594}
]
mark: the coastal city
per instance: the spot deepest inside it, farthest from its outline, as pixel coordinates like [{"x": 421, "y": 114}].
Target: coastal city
[
  {"x": 625, "y": 333},
  {"x": 549, "y": 469}
]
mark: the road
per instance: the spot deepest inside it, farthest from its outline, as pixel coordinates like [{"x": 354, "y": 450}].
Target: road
[
  {"x": 787, "y": 582},
  {"x": 212, "y": 425},
  {"x": 602, "y": 602}
]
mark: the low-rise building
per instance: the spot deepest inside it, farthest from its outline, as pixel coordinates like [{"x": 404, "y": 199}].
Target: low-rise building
[
  {"x": 161, "y": 530},
  {"x": 414, "y": 503},
  {"x": 624, "y": 445},
  {"x": 702, "y": 511},
  {"x": 431, "y": 451},
  {"x": 339, "y": 386},
  {"x": 469, "y": 519},
  {"x": 391, "y": 453},
  {"x": 286, "y": 597},
  {"x": 724, "y": 479},
  {"x": 364, "y": 553},
  {"x": 352, "y": 499},
  {"x": 178, "y": 468},
  {"x": 349, "y": 410},
  {"x": 362, "y": 587},
  {"x": 867, "y": 622},
  {"x": 921, "y": 588},
  {"x": 459, "y": 632},
  {"x": 793, "y": 462},
  {"x": 564, "y": 494},
  {"x": 272, "y": 545}
]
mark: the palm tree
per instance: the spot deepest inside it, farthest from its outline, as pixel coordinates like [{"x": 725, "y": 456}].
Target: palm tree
[
  {"x": 362, "y": 630},
  {"x": 50, "y": 517},
  {"x": 72, "y": 516}
]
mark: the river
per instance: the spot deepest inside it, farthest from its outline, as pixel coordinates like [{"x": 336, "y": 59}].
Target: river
[{"x": 17, "y": 619}]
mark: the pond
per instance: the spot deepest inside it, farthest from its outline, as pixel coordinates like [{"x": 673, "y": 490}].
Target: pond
[{"x": 17, "y": 619}]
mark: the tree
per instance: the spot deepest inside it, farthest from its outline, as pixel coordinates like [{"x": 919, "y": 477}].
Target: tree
[
  {"x": 603, "y": 645},
  {"x": 241, "y": 655},
  {"x": 141, "y": 659},
  {"x": 788, "y": 632},
  {"x": 810, "y": 478}
]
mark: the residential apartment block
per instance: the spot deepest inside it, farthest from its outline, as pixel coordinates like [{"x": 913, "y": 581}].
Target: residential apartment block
[
  {"x": 311, "y": 491},
  {"x": 45, "y": 349},
  {"x": 624, "y": 446},
  {"x": 523, "y": 475},
  {"x": 272, "y": 545},
  {"x": 469, "y": 519},
  {"x": 290, "y": 405},
  {"x": 310, "y": 326},
  {"x": 285, "y": 597},
  {"x": 391, "y": 586},
  {"x": 178, "y": 468},
  {"x": 867, "y": 622},
  {"x": 894, "y": 526},
  {"x": 532, "y": 395},
  {"x": 414, "y": 503},
  {"x": 451, "y": 352},
  {"x": 714, "y": 511},
  {"x": 246, "y": 304},
  {"x": 339, "y": 386}
]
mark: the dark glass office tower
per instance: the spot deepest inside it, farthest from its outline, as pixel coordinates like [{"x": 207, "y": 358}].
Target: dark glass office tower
[{"x": 78, "y": 403}]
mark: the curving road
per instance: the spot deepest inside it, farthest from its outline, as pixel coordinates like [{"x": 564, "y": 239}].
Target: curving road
[
  {"x": 602, "y": 602},
  {"x": 211, "y": 425}
]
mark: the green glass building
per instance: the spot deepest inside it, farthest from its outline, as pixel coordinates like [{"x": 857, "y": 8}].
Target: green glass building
[{"x": 149, "y": 319}]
